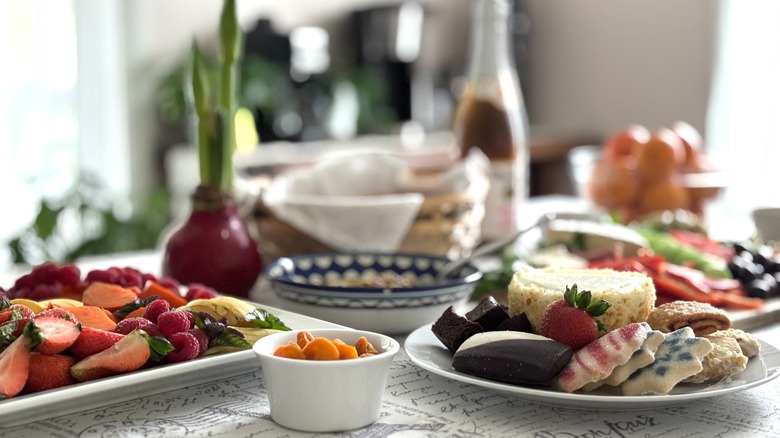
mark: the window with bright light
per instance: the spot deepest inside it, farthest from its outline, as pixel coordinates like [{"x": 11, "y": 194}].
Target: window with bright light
[
  {"x": 744, "y": 111},
  {"x": 38, "y": 107}
]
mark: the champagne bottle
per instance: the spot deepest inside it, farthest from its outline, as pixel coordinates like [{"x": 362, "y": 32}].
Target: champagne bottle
[{"x": 491, "y": 116}]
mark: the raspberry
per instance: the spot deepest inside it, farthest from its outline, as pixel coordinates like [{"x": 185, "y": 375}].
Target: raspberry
[
  {"x": 203, "y": 340},
  {"x": 169, "y": 283},
  {"x": 186, "y": 347},
  {"x": 131, "y": 277},
  {"x": 24, "y": 282},
  {"x": 102, "y": 276},
  {"x": 44, "y": 291},
  {"x": 45, "y": 273},
  {"x": 197, "y": 291},
  {"x": 69, "y": 274},
  {"x": 154, "y": 309},
  {"x": 173, "y": 322},
  {"x": 127, "y": 325}
]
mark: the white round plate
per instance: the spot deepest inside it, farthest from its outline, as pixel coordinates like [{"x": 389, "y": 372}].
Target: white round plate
[{"x": 424, "y": 349}]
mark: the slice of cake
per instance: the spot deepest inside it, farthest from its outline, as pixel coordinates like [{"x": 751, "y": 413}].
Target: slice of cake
[{"x": 631, "y": 294}]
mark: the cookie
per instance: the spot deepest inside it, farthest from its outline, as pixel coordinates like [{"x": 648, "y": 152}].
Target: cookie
[
  {"x": 703, "y": 318},
  {"x": 748, "y": 344},
  {"x": 641, "y": 358},
  {"x": 725, "y": 359},
  {"x": 678, "y": 357},
  {"x": 598, "y": 359}
]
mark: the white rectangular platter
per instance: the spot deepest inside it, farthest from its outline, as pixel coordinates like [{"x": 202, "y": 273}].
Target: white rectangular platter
[{"x": 117, "y": 389}]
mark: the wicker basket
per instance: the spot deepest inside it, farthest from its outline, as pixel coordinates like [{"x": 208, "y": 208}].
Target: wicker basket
[{"x": 446, "y": 225}]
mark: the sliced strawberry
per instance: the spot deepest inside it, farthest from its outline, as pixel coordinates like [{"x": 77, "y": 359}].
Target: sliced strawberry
[
  {"x": 49, "y": 371},
  {"x": 129, "y": 354},
  {"x": 4, "y": 301},
  {"x": 93, "y": 340},
  {"x": 14, "y": 368},
  {"x": 50, "y": 335},
  {"x": 16, "y": 311},
  {"x": 58, "y": 312},
  {"x": 12, "y": 330}
]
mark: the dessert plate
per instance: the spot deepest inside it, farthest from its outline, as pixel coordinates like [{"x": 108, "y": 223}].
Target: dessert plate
[
  {"x": 111, "y": 390},
  {"x": 425, "y": 350}
]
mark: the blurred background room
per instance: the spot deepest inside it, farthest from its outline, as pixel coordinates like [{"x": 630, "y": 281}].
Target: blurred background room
[{"x": 96, "y": 141}]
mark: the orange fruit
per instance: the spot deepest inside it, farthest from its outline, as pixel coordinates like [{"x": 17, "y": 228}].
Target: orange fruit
[
  {"x": 625, "y": 142},
  {"x": 691, "y": 140},
  {"x": 614, "y": 184},
  {"x": 665, "y": 193},
  {"x": 660, "y": 156}
]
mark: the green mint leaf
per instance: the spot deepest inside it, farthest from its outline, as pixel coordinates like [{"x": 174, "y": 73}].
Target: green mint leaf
[
  {"x": 264, "y": 319},
  {"x": 135, "y": 305},
  {"x": 160, "y": 346},
  {"x": 230, "y": 338}
]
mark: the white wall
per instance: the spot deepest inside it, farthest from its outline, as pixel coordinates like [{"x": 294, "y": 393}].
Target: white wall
[
  {"x": 602, "y": 64},
  {"x": 596, "y": 65}
]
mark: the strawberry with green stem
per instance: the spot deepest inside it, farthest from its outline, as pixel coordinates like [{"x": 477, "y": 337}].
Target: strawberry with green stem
[{"x": 572, "y": 320}]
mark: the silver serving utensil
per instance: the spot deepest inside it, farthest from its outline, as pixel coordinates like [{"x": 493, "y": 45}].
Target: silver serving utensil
[{"x": 490, "y": 247}]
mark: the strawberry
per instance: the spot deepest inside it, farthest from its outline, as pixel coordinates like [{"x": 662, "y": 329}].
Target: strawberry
[
  {"x": 57, "y": 312},
  {"x": 15, "y": 311},
  {"x": 572, "y": 321},
  {"x": 14, "y": 368},
  {"x": 12, "y": 330},
  {"x": 51, "y": 335},
  {"x": 93, "y": 340},
  {"x": 129, "y": 354},
  {"x": 48, "y": 371}
]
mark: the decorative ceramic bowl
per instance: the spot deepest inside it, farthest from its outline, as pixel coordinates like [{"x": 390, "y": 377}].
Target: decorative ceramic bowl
[
  {"x": 767, "y": 221},
  {"x": 326, "y": 395},
  {"x": 386, "y": 293}
]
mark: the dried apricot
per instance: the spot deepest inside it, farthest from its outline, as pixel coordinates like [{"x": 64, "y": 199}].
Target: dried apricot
[
  {"x": 321, "y": 349},
  {"x": 290, "y": 350},
  {"x": 346, "y": 351},
  {"x": 303, "y": 338},
  {"x": 364, "y": 347}
]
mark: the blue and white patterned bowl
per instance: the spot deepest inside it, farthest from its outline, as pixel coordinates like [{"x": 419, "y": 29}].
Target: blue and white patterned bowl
[{"x": 306, "y": 284}]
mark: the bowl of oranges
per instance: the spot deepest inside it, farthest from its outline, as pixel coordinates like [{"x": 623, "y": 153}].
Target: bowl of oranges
[{"x": 642, "y": 172}]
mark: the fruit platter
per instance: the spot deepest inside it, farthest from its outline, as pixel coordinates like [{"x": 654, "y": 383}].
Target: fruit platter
[{"x": 110, "y": 334}]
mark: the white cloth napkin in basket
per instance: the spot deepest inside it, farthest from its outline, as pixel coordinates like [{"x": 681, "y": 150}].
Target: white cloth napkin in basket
[{"x": 358, "y": 200}]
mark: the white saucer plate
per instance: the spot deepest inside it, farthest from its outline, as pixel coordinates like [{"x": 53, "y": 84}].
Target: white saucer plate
[{"x": 425, "y": 350}]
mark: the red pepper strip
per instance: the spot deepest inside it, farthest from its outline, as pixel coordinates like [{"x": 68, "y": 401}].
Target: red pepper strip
[
  {"x": 682, "y": 291},
  {"x": 689, "y": 276},
  {"x": 722, "y": 284},
  {"x": 737, "y": 301},
  {"x": 628, "y": 264}
]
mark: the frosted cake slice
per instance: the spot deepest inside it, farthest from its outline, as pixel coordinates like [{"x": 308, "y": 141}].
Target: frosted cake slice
[{"x": 631, "y": 294}]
